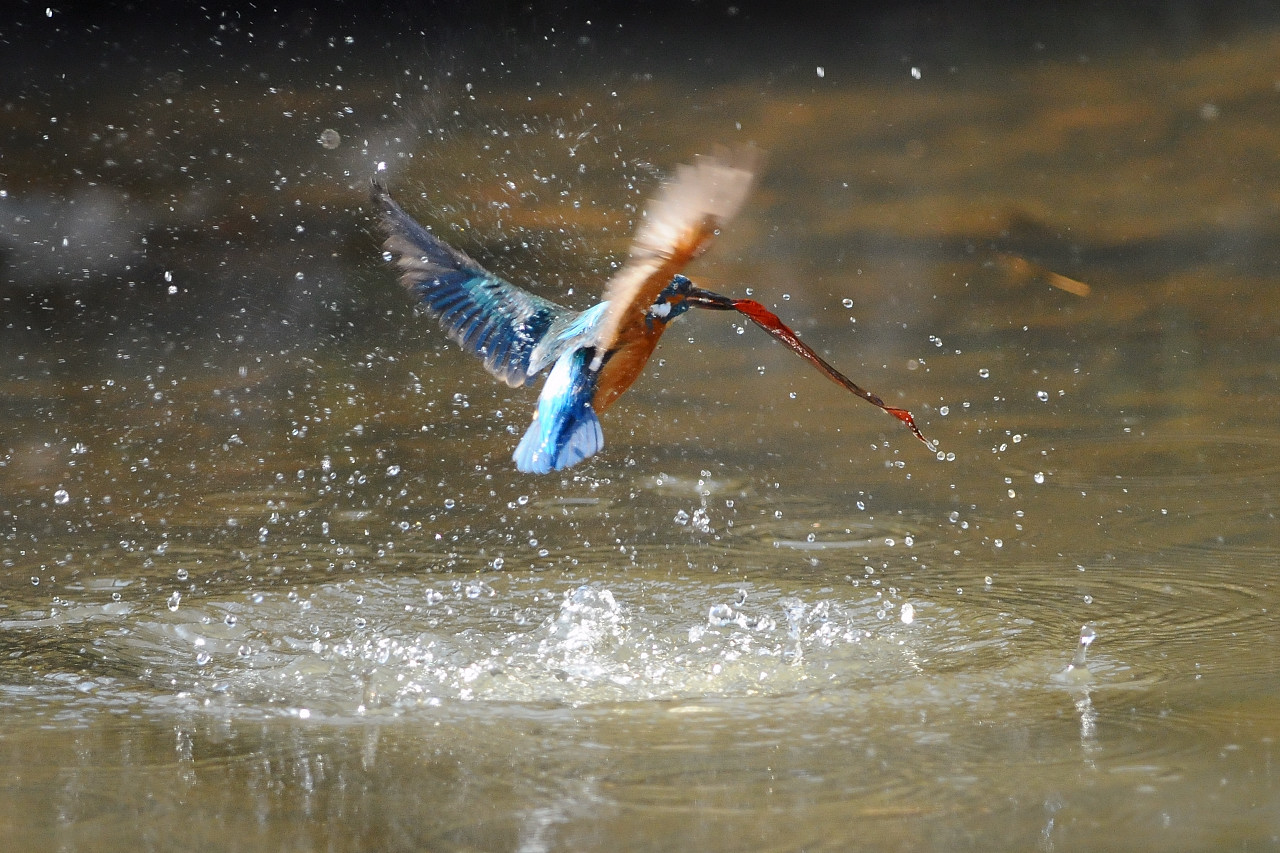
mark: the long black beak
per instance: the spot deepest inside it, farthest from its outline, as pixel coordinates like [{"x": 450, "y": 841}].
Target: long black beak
[{"x": 699, "y": 298}]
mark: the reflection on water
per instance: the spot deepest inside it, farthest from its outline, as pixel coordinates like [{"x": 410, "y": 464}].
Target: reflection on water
[{"x": 270, "y": 578}]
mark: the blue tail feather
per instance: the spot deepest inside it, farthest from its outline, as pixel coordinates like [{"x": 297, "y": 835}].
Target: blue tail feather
[{"x": 565, "y": 429}]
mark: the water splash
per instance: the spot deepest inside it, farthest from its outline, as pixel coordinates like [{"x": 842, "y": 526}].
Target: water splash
[{"x": 1077, "y": 672}]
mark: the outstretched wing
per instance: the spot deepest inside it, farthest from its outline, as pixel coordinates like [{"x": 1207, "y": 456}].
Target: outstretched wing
[
  {"x": 679, "y": 224},
  {"x": 498, "y": 321}
]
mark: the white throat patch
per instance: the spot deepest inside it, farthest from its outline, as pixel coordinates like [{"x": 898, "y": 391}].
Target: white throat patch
[{"x": 661, "y": 310}]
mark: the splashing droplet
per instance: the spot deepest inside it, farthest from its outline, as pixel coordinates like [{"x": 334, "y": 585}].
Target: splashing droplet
[
  {"x": 1087, "y": 636},
  {"x": 720, "y": 615},
  {"x": 1077, "y": 672}
]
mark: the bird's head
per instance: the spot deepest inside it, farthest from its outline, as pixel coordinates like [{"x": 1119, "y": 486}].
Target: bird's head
[{"x": 671, "y": 302}]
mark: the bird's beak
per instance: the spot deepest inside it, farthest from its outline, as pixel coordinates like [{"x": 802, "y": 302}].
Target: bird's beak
[{"x": 700, "y": 298}]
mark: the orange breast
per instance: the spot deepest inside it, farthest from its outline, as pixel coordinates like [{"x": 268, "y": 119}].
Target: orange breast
[{"x": 627, "y": 362}]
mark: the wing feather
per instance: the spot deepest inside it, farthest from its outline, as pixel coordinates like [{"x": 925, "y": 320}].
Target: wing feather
[
  {"x": 492, "y": 318},
  {"x": 679, "y": 224}
]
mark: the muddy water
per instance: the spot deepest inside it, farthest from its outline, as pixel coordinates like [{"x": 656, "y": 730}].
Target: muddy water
[{"x": 270, "y": 580}]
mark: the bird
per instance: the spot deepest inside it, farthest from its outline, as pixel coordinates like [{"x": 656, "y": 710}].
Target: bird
[{"x": 593, "y": 355}]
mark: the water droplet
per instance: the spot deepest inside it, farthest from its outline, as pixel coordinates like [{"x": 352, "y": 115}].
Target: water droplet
[
  {"x": 174, "y": 601},
  {"x": 449, "y": 503},
  {"x": 230, "y": 620},
  {"x": 330, "y": 138},
  {"x": 181, "y": 574},
  {"x": 720, "y": 615},
  {"x": 984, "y": 373},
  {"x": 701, "y": 522},
  {"x": 847, "y": 302},
  {"x": 393, "y": 470},
  {"x": 203, "y": 658},
  {"x": 1042, "y": 396},
  {"x": 1039, "y": 477},
  {"x": 61, "y": 497},
  {"x": 907, "y": 614}
]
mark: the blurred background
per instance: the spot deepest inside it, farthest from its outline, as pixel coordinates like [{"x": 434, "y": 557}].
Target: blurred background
[{"x": 270, "y": 580}]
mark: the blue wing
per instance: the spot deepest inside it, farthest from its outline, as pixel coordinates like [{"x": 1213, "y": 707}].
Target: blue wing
[
  {"x": 498, "y": 321},
  {"x": 565, "y": 429}
]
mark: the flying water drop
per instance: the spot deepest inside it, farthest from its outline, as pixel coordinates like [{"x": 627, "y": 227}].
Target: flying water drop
[{"x": 1077, "y": 672}]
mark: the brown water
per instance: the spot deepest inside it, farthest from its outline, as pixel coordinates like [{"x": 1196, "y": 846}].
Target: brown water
[{"x": 270, "y": 580}]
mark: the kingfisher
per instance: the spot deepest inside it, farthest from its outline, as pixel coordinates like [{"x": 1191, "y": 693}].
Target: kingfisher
[{"x": 594, "y": 355}]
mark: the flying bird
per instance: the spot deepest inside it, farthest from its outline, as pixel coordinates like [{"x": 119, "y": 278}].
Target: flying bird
[{"x": 594, "y": 355}]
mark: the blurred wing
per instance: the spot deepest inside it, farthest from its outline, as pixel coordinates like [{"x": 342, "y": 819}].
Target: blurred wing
[
  {"x": 679, "y": 224},
  {"x": 499, "y": 322}
]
